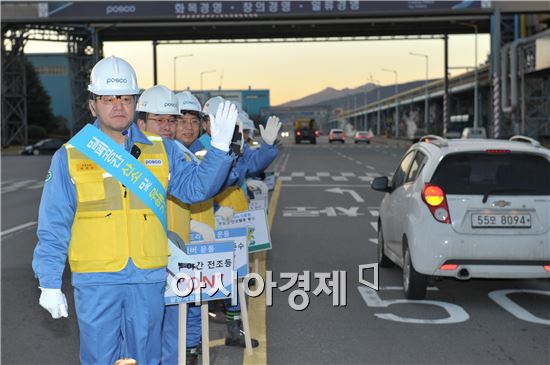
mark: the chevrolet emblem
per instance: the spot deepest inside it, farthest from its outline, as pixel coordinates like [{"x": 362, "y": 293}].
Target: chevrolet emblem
[{"x": 501, "y": 203}]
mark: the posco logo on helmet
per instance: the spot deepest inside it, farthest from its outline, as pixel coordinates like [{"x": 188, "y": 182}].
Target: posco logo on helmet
[
  {"x": 170, "y": 105},
  {"x": 117, "y": 80},
  {"x": 120, "y": 9}
]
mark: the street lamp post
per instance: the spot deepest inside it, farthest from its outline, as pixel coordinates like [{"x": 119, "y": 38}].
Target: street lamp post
[
  {"x": 175, "y": 58},
  {"x": 475, "y": 76},
  {"x": 426, "y": 111},
  {"x": 206, "y": 72},
  {"x": 396, "y": 121},
  {"x": 378, "y": 101}
]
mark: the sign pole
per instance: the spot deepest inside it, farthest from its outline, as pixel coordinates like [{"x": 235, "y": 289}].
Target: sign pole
[
  {"x": 244, "y": 316},
  {"x": 182, "y": 333},
  {"x": 205, "y": 335}
]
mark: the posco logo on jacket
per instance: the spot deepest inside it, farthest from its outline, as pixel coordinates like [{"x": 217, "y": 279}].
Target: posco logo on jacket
[
  {"x": 170, "y": 105},
  {"x": 120, "y": 9},
  {"x": 117, "y": 80},
  {"x": 153, "y": 162}
]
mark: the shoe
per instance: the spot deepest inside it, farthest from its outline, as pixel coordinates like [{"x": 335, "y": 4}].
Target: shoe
[
  {"x": 235, "y": 335},
  {"x": 191, "y": 356}
]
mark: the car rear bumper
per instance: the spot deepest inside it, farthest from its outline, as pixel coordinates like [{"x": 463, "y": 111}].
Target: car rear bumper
[{"x": 481, "y": 255}]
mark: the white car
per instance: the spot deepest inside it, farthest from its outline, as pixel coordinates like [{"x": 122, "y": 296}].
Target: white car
[{"x": 466, "y": 208}]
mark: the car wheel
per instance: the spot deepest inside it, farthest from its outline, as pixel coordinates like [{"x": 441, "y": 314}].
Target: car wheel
[
  {"x": 383, "y": 260},
  {"x": 36, "y": 152},
  {"x": 414, "y": 283}
]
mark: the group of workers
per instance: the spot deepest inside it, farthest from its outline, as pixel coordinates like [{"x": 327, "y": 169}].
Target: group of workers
[{"x": 116, "y": 244}]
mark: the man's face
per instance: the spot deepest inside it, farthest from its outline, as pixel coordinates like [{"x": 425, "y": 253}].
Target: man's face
[
  {"x": 114, "y": 113},
  {"x": 162, "y": 124},
  {"x": 188, "y": 128},
  {"x": 246, "y": 134}
]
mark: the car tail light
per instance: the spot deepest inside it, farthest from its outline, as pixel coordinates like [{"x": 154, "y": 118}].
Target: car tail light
[
  {"x": 298, "y": 133},
  {"x": 497, "y": 152},
  {"x": 547, "y": 268},
  {"x": 435, "y": 199},
  {"x": 317, "y": 133},
  {"x": 448, "y": 267},
  {"x": 343, "y": 135}
]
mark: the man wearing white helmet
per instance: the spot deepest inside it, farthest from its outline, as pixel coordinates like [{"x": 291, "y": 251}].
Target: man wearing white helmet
[
  {"x": 158, "y": 110},
  {"x": 234, "y": 198},
  {"x": 187, "y": 130},
  {"x": 115, "y": 238}
]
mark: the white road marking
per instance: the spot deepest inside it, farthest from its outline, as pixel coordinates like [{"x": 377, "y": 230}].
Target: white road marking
[
  {"x": 374, "y": 225},
  {"x": 293, "y": 174},
  {"x": 339, "y": 178},
  {"x": 370, "y": 167},
  {"x": 374, "y": 213},
  {"x": 18, "y": 228},
  {"x": 348, "y": 174},
  {"x": 326, "y": 174},
  {"x": 313, "y": 178},
  {"x": 365, "y": 178},
  {"x": 373, "y": 240}
]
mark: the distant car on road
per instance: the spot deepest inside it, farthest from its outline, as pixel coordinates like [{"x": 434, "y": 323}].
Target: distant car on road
[
  {"x": 466, "y": 208},
  {"x": 474, "y": 133},
  {"x": 337, "y": 135},
  {"x": 43, "y": 147},
  {"x": 362, "y": 136}
]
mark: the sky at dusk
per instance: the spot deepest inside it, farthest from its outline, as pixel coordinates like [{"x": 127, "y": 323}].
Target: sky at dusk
[{"x": 290, "y": 70}]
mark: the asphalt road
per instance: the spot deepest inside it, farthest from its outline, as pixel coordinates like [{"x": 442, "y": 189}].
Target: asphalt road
[
  {"x": 321, "y": 230},
  {"x": 324, "y": 223}
]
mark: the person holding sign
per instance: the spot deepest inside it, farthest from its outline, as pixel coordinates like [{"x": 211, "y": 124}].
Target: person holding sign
[
  {"x": 234, "y": 197},
  {"x": 179, "y": 220},
  {"x": 104, "y": 206}
]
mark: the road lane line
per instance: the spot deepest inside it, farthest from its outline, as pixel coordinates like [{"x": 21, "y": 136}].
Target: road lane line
[
  {"x": 18, "y": 228},
  {"x": 257, "y": 309}
]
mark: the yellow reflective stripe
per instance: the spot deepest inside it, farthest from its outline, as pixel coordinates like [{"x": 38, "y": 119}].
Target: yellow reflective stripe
[{"x": 154, "y": 138}]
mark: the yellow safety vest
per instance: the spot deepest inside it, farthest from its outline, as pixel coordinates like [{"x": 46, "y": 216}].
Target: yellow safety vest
[
  {"x": 233, "y": 197},
  {"x": 111, "y": 224}
]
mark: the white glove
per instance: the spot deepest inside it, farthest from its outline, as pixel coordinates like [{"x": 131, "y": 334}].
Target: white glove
[
  {"x": 204, "y": 230},
  {"x": 271, "y": 130},
  {"x": 225, "y": 213},
  {"x": 223, "y": 125},
  {"x": 55, "y": 302},
  {"x": 257, "y": 185}
]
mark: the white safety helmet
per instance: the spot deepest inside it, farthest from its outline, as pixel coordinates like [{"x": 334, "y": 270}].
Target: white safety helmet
[
  {"x": 246, "y": 121},
  {"x": 158, "y": 100},
  {"x": 211, "y": 105},
  {"x": 188, "y": 102},
  {"x": 113, "y": 76}
]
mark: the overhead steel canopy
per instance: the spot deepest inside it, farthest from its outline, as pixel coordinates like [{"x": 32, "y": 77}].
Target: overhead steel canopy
[{"x": 188, "y": 20}]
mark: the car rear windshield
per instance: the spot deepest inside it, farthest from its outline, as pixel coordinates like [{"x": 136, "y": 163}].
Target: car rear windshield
[
  {"x": 362, "y": 134},
  {"x": 498, "y": 174},
  {"x": 336, "y": 131}
]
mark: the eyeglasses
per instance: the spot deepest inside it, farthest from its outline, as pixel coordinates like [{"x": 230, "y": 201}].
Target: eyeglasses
[
  {"x": 188, "y": 121},
  {"x": 115, "y": 99},
  {"x": 163, "y": 120}
]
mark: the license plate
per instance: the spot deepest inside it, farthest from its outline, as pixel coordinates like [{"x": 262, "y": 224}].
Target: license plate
[{"x": 501, "y": 220}]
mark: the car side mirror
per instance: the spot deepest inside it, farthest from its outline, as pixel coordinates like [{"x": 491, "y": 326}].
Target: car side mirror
[{"x": 381, "y": 184}]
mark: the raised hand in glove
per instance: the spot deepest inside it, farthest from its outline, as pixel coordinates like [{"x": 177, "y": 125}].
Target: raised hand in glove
[
  {"x": 55, "y": 302},
  {"x": 271, "y": 130},
  {"x": 225, "y": 213},
  {"x": 222, "y": 125},
  {"x": 204, "y": 230},
  {"x": 257, "y": 185}
]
